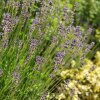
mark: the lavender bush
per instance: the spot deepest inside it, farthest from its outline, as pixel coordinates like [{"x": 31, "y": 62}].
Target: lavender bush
[{"x": 37, "y": 40}]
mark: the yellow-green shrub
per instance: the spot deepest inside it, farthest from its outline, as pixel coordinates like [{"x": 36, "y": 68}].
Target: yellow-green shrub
[{"x": 81, "y": 84}]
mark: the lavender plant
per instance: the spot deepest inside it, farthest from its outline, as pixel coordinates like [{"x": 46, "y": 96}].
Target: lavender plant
[{"x": 39, "y": 39}]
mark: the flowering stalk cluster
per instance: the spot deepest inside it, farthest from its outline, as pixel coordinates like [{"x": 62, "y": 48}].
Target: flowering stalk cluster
[
  {"x": 42, "y": 37},
  {"x": 6, "y": 23}
]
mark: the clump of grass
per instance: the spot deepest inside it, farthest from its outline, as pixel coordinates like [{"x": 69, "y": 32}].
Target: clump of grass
[{"x": 38, "y": 39}]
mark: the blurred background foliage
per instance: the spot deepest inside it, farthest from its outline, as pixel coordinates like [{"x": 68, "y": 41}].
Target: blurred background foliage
[
  {"x": 88, "y": 15},
  {"x": 88, "y": 12}
]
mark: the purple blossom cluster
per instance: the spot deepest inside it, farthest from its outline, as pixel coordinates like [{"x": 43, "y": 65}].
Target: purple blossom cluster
[
  {"x": 44, "y": 96},
  {"x": 6, "y": 23},
  {"x": 39, "y": 60},
  {"x": 75, "y": 44},
  {"x": 58, "y": 58},
  {"x": 16, "y": 76},
  {"x": 33, "y": 45}
]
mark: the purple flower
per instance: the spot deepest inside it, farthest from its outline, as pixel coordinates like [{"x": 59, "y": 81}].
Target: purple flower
[
  {"x": 54, "y": 39},
  {"x": 50, "y": 2},
  {"x": 66, "y": 44},
  {"x": 7, "y": 16},
  {"x": 25, "y": 14},
  {"x": 68, "y": 29},
  {"x": 43, "y": 97},
  {"x": 77, "y": 28},
  {"x": 39, "y": 60},
  {"x": 76, "y": 4},
  {"x": 7, "y": 23},
  {"x": 36, "y": 21},
  {"x": 74, "y": 42},
  {"x": 67, "y": 81},
  {"x": 61, "y": 29},
  {"x": 33, "y": 43},
  {"x": 58, "y": 58},
  {"x": 65, "y": 9},
  {"x": 59, "y": 54},
  {"x": 16, "y": 76},
  {"x": 20, "y": 44}
]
